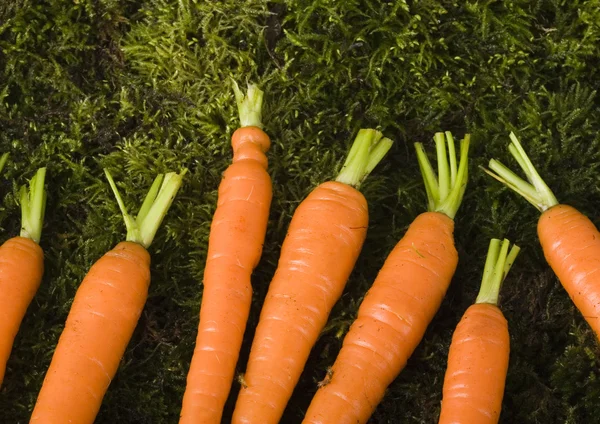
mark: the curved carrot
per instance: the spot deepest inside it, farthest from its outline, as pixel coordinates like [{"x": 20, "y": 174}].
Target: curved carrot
[
  {"x": 21, "y": 264},
  {"x": 404, "y": 298},
  {"x": 234, "y": 249},
  {"x": 480, "y": 348},
  {"x": 103, "y": 316},
  {"x": 324, "y": 240},
  {"x": 570, "y": 241}
]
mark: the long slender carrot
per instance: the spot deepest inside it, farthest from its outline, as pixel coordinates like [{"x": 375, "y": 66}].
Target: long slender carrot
[
  {"x": 403, "y": 300},
  {"x": 234, "y": 249},
  {"x": 480, "y": 348},
  {"x": 324, "y": 239},
  {"x": 570, "y": 241},
  {"x": 21, "y": 264},
  {"x": 104, "y": 313}
]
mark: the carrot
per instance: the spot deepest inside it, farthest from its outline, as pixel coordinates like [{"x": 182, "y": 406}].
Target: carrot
[
  {"x": 569, "y": 240},
  {"x": 103, "y": 316},
  {"x": 480, "y": 348},
  {"x": 234, "y": 249},
  {"x": 324, "y": 240},
  {"x": 405, "y": 296},
  {"x": 21, "y": 264}
]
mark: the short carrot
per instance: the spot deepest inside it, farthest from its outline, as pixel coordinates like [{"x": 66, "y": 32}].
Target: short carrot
[
  {"x": 402, "y": 301},
  {"x": 323, "y": 242},
  {"x": 234, "y": 250},
  {"x": 480, "y": 348},
  {"x": 103, "y": 316},
  {"x": 570, "y": 241},
  {"x": 21, "y": 264}
]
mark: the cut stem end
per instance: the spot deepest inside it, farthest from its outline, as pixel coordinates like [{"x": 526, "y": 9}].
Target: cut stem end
[{"x": 498, "y": 262}]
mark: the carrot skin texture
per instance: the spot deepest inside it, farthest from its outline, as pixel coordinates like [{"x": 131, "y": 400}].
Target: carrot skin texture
[
  {"x": 324, "y": 240},
  {"x": 235, "y": 246},
  {"x": 571, "y": 245},
  {"x": 391, "y": 322},
  {"x": 477, "y": 366},
  {"x": 104, "y": 314},
  {"x": 21, "y": 271}
]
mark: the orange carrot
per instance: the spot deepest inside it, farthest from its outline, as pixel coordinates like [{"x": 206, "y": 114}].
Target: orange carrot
[
  {"x": 324, "y": 239},
  {"x": 404, "y": 298},
  {"x": 21, "y": 264},
  {"x": 234, "y": 249},
  {"x": 479, "y": 353},
  {"x": 104, "y": 313},
  {"x": 570, "y": 241}
]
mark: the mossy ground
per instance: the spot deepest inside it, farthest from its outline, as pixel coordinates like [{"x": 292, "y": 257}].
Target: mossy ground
[{"x": 141, "y": 87}]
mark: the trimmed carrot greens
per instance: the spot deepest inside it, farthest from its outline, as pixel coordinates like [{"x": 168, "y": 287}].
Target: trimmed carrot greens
[
  {"x": 33, "y": 206},
  {"x": 249, "y": 105},
  {"x": 497, "y": 264},
  {"x": 535, "y": 191},
  {"x": 445, "y": 191},
  {"x": 368, "y": 149},
  {"x": 143, "y": 228}
]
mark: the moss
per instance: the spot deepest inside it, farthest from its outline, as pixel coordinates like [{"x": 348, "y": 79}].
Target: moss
[{"x": 141, "y": 87}]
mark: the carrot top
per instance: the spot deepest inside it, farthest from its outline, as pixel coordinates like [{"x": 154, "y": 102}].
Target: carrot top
[
  {"x": 3, "y": 160},
  {"x": 535, "y": 191},
  {"x": 143, "y": 228},
  {"x": 249, "y": 106},
  {"x": 33, "y": 205},
  {"x": 445, "y": 191},
  {"x": 368, "y": 149},
  {"x": 497, "y": 264}
]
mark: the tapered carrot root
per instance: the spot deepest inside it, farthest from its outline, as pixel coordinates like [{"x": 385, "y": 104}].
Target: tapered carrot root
[
  {"x": 21, "y": 270},
  {"x": 301, "y": 296},
  {"x": 103, "y": 316},
  {"x": 21, "y": 264},
  {"x": 391, "y": 322},
  {"x": 571, "y": 245},
  {"x": 480, "y": 349},
  {"x": 324, "y": 240},
  {"x": 235, "y": 245},
  {"x": 570, "y": 241},
  {"x": 404, "y": 298},
  {"x": 101, "y": 321},
  {"x": 478, "y": 362}
]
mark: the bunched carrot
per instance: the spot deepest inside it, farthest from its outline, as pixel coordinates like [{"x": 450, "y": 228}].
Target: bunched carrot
[
  {"x": 21, "y": 264},
  {"x": 324, "y": 239},
  {"x": 405, "y": 296},
  {"x": 234, "y": 249},
  {"x": 103, "y": 316},
  {"x": 570, "y": 241},
  {"x": 480, "y": 348}
]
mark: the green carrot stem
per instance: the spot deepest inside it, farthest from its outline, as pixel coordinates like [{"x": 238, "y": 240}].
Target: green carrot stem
[
  {"x": 143, "y": 228},
  {"x": 368, "y": 149},
  {"x": 534, "y": 190},
  {"x": 3, "y": 160},
  {"x": 498, "y": 262},
  {"x": 249, "y": 105},
  {"x": 33, "y": 206},
  {"x": 445, "y": 191}
]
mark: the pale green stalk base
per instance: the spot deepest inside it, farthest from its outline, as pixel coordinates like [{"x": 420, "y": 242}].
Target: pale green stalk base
[
  {"x": 143, "y": 228},
  {"x": 536, "y": 191},
  {"x": 368, "y": 149},
  {"x": 497, "y": 265},
  {"x": 3, "y": 160},
  {"x": 33, "y": 206},
  {"x": 446, "y": 193},
  {"x": 249, "y": 106}
]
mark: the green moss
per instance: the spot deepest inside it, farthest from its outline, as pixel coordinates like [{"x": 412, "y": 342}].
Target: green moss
[{"x": 142, "y": 87}]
